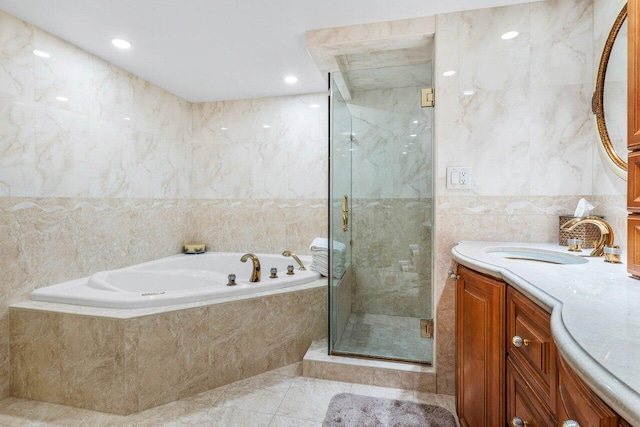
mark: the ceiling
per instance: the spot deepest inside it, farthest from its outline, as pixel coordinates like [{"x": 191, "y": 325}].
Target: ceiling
[{"x": 206, "y": 50}]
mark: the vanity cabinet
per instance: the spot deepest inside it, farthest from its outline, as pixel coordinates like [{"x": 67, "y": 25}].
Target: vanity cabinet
[
  {"x": 633, "y": 87},
  {"x": 508, "y": 371},
  {"x": 480, "y": 349}
]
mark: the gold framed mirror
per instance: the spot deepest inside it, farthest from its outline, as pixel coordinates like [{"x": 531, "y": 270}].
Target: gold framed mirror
[{"x": 609, "y": 99}]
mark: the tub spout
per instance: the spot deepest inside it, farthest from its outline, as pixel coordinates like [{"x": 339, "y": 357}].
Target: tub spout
[
  {"x": 255, "y": 274},
  {"x": 294, "y": 256}
]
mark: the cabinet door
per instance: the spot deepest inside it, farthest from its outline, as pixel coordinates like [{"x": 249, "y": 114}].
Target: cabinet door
[
  {"x": 578, "y": 403},
  {"x": 633, "y": 89},
  {"x": 480, "y": 349},
  {"x": 633, "y": 182},
  {"x": 633, "y": 245},
  {"x": 522, "y": 401}
]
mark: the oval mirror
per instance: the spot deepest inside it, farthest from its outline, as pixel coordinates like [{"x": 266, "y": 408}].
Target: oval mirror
[{"x": 610, "y": 98}]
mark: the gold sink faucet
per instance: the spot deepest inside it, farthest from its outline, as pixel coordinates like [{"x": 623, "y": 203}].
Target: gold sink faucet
[
  {"x": 606, "y": 232},
  {"x": 255, "y": 274},
  {"x": 294, "y": 256}
]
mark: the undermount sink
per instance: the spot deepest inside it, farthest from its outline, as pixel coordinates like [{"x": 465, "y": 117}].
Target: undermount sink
[{"x": 533, "y": 254}]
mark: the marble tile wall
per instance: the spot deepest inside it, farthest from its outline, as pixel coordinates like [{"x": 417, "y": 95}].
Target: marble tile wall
[
  {"x": 112, "y": 175},
  {"x": 128, "y": 365},
  {"x": 527, "y": 108}
]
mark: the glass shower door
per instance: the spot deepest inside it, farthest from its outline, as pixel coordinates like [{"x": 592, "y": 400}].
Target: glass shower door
[
  {"x": 340, "y": 122},
  {"x": 381, "y": 158}
]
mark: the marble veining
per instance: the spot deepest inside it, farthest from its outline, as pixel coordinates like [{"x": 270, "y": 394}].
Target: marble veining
[{"x": 587, "y": 302}]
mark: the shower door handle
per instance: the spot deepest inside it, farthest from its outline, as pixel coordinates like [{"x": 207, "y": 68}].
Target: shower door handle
[{"x": 345, "y": 213}]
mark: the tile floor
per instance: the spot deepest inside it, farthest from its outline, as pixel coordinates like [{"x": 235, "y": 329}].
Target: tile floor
[
  {"x": 276, "y": 398},
  {"x": 380, "y": 335}
]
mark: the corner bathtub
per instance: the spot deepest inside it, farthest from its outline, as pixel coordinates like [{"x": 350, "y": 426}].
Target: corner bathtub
[{"x": 175, "y": 280}]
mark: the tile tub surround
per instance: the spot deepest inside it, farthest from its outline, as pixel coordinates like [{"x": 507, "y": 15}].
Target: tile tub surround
[
  {"x": 126, "y": 363},
  {"x": 587, "y": 303}
]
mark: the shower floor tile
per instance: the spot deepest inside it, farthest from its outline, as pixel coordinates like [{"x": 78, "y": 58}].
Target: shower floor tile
[{"x": 389, "y": 337}]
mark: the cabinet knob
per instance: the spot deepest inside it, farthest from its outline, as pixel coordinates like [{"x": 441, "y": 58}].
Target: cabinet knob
[
  {"x": 453, "y": 275},
  {"x": 518, "y": 341},
  {"x": 517, "y": 422},
  {"x": 570, "y": 423}
]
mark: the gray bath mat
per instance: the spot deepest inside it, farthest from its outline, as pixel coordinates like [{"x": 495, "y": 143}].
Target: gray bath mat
[{"x": 353, "y": 410}]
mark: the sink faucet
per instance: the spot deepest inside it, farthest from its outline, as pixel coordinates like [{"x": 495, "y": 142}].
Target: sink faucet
[
  {"x": 606, "y": 232},
  {"x": 288, "y": 253},
  {"x": 255, "y": 274}
]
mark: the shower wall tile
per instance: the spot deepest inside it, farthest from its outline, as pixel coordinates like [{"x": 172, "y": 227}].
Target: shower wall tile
[
  {"x": 383, "y": 229},
  {"x": 392, "y": 155}
]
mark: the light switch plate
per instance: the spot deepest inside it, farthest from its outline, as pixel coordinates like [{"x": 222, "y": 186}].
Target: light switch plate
[{"x": 459, "y": 178}]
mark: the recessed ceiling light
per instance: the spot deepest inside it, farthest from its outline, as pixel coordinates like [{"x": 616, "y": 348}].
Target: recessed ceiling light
[
  {"x": 223, "y": 128},
  {"x": 510, "y": 35},
  {"x": 449, "y": 73},
  {"x": 415, "y": 122},
  {"x": 468, "y": 92},
  {"x": 404, "y": 152},
  {"x": 41, "y": 54},
  {"x": 291, "y": 79},
  {"x": 62, "y": 98},
  {"x": 126, "y": 118},
  {"x": 121, "y": 43},
  {"x": 266, "y": 126},
  {"x": 314, "y": 105},
  {"x": 413, "y": 135}
]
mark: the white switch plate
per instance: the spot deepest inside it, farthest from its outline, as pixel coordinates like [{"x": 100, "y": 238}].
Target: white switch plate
[{"x": 459, "y": 178}]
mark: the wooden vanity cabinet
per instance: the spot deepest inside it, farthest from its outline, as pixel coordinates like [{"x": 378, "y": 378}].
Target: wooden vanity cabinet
[
  {"x": 508, "y": 371},
  {"x": 633, "y": 81},
  {"x": 480, "y": 349}
]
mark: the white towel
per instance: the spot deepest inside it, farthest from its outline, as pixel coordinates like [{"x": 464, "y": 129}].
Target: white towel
[
  {"x": 320, "y": 244},
  {"x": 320, "y": 257}
]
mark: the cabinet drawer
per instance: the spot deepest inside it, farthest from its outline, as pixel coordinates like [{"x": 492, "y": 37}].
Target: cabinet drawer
[
  {"x": 530, "y": 344},
  {"x": 523, "y": 403}
]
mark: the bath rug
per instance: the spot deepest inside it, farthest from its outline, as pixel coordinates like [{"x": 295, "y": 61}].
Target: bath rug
[{"x": 353, "y": 410}]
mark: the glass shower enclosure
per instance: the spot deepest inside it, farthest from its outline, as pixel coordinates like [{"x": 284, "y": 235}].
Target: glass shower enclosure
[{"x": 381, "y": 208}]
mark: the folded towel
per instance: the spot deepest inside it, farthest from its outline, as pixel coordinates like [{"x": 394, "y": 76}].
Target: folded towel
[{"x": 320, "y": 244}]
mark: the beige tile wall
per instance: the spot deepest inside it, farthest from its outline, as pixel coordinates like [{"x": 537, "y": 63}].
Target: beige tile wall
[{"x": 108, "y": 178}]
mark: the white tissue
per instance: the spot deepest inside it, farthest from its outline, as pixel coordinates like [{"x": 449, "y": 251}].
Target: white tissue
[{"x": 584, "y": 208}]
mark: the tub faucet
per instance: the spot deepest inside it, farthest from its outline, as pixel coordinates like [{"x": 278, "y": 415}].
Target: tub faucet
[
  {"x": 294, "y": 256},
  {"x": 606, "y": 232},
  {"x": 255, "y": 274}
]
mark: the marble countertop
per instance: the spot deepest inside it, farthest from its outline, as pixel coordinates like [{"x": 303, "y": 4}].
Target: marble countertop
[{"x": 595, "y": 315}]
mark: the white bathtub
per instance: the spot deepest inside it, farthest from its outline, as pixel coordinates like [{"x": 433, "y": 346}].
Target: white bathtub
[{"x": 174, "y": 280}]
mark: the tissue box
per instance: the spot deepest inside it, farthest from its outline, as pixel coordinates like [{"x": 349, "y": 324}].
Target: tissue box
[{"x": 589, "y": 233}]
